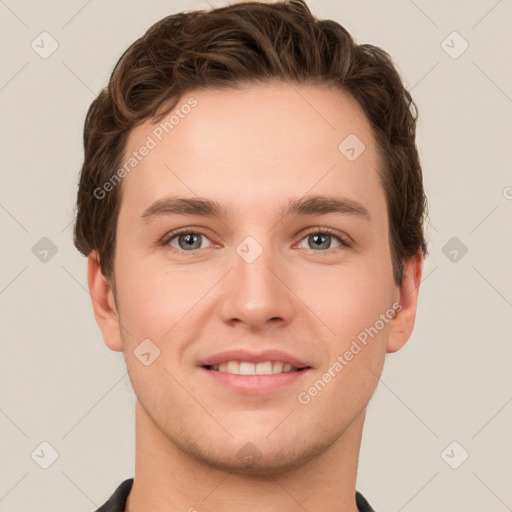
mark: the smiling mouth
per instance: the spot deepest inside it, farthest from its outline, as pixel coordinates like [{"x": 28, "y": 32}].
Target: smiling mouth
[{"x": 248, "y": 368}]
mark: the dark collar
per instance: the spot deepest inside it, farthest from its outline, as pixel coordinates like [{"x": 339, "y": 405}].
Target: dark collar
[{"x": 117, "y": 501}]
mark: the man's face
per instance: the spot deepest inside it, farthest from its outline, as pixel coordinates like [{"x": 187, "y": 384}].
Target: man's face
[{"x": 252, "y": 279}]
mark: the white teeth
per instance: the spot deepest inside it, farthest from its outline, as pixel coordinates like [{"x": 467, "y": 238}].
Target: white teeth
[
  {"x": 277, "y": 367},
  {"x": 232, "y": 367},
  {"x": 264, "y": 368},
  {"x": 247, "y": 368}
]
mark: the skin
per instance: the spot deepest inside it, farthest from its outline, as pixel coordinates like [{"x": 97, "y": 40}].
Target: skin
[{"x": 252, "y": 148}]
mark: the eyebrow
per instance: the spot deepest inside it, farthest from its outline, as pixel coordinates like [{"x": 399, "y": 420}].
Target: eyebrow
[{"x": 311, "y": 205}]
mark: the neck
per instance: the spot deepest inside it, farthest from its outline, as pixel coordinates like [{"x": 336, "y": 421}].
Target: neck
[{"x": 168, "y": 478}]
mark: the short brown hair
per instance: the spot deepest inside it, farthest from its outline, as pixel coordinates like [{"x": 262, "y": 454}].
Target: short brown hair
[{"x": 249, "y": 42}]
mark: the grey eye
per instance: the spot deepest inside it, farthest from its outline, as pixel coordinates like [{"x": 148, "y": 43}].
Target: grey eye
[
  {"x": 320, "y": 241},
  {"x": 187, "y": 241}
]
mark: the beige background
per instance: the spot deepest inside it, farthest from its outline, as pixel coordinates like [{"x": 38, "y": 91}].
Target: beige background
[{"x": 452, "y": 382}]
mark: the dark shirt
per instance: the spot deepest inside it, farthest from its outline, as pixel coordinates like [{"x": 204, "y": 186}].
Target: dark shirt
[{"x": 117, "y": 501}]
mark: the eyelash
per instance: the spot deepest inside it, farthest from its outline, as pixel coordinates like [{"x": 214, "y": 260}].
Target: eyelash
[{"x": 343, "y": 240}]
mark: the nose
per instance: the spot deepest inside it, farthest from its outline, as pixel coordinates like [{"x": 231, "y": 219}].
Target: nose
[{"x": 259, "y": 293}]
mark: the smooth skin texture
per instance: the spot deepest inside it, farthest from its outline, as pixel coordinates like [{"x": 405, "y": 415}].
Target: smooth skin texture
[{"x": 252, "y": 149}]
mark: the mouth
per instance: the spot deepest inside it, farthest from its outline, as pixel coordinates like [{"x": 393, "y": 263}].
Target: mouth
[
  {"x": 254, "y": 373},
  {"x": 248, "y": 368},
  {"x": 248, "y": 378}
]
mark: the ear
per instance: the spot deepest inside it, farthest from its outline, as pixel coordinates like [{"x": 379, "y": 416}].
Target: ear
[
  {"x": 103, "y": 303},
  {"x": 401, "y": 326}
]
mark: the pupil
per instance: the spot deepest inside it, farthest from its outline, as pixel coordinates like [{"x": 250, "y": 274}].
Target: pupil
[
  {"x": 318, "y": 238},
  {"x": 190, "y": 239}
]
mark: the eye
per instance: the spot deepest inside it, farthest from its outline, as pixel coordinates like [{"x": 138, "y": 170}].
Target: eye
[
  {"x": 322, "y": 239},
  {"x": 185, "y": 240}
]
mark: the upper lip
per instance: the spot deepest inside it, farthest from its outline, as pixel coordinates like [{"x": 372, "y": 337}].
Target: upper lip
[{"x": 252, "y": 357}]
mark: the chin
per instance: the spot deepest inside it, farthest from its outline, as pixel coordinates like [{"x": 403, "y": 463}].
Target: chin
[
  {"x": 259, "y": 456},
  {"x": 259, "y": 464}
]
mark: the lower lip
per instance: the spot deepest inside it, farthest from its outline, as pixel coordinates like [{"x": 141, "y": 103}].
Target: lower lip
[{"x": 256, "y": 384}]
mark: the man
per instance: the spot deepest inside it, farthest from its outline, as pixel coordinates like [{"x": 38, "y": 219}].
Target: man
[{"x": 251, "y": 205}]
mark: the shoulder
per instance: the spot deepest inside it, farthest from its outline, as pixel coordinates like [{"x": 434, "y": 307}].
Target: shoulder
[
  {"x": 117, "y": 502},
  {"x": 362, "y": 503}
]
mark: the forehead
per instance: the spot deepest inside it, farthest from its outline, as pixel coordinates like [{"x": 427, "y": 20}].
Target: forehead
[{"x": 253, "y": 143}]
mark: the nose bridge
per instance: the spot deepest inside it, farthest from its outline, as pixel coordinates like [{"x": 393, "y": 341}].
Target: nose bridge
[{"x": 254, "y": 292}]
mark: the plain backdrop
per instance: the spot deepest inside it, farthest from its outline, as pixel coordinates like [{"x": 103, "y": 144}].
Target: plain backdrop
[{"x": 445, "y": 396}]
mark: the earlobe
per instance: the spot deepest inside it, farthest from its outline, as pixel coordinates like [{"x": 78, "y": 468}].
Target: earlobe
[
  {"x": 401, "y": 327},
  {"x": 103, "y": 303}
]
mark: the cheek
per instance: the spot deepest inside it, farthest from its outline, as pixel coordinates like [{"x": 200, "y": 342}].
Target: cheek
[
  {"x": 354, "y": 346},
  {"x": 353, "y": 310},
  {"x": 153, "y": 298},
  {"x": 167, "y": 306},
  {"x": 350, "y": 298}
]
